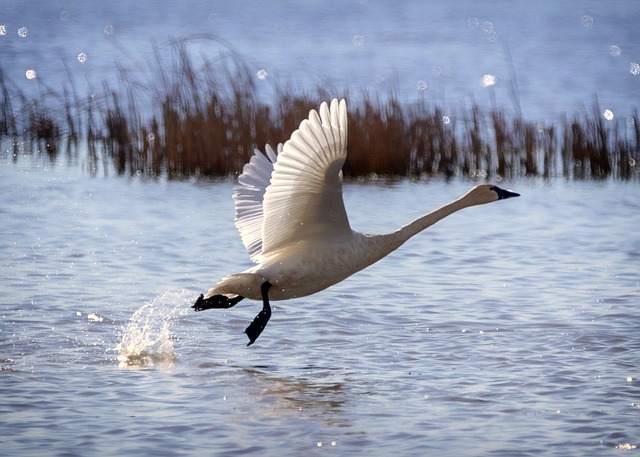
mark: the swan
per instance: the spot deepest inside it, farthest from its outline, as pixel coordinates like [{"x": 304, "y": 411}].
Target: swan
[{"x": 292, "y": 220}]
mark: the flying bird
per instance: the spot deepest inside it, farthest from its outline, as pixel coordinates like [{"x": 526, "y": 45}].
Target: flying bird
[{"x": 292, "y": 220}]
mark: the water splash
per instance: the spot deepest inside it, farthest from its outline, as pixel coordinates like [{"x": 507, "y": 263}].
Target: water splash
[{"x": 147, "y": 339}]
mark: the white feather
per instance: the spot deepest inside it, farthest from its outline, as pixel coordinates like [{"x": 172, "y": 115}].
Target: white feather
[
  {"x": 248, "y": 195},
  {"x": 292, "y": 219}
]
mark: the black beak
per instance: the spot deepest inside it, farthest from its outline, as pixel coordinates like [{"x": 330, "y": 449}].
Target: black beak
[{"x": 502, "y": 194}]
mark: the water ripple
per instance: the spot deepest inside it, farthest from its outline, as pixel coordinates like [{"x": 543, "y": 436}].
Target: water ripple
[{"x": 510, "y": 337}]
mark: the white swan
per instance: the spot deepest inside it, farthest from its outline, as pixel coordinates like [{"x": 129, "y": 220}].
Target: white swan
[{"x": 292, "y": 220}]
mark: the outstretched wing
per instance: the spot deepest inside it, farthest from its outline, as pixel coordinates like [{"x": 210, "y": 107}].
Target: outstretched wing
[
  {"x": 248, "y": 195},
  {"x": 304, "y": 199}
]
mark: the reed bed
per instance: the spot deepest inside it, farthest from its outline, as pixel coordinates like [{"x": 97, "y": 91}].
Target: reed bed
[{"x": 206, "y": 120}]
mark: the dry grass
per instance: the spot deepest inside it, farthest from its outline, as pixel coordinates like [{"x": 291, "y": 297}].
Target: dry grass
[{"x": 205, "y": 121}]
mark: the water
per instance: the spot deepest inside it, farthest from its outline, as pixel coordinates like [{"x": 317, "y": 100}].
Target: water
[
  {"x": 559, "y": 56},
  {"x": 507, "y": 329}
]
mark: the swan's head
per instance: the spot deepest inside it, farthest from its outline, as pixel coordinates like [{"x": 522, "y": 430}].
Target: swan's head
[{"x": 487, "y": 193}]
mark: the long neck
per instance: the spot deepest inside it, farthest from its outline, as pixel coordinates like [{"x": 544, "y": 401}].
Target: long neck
[
  {"x": 381, "y": 245},
  {"x": 414, "y": 227}
]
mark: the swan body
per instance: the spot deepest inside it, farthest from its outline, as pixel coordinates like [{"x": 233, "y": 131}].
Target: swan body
[{"x": 292, "y": 220}]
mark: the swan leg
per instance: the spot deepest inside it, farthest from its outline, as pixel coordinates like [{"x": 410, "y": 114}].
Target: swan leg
[
  {"x": 256, "y": 327},
  {"x": 217, "y": 301}
]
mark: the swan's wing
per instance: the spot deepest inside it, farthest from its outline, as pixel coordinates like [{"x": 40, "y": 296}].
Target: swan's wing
[
  {"x": 304, "y": 199},
  {"x": 248, "y": 195}
]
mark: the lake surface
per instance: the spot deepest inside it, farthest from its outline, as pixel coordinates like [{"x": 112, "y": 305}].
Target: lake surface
[{"x": 508, "y": 329}]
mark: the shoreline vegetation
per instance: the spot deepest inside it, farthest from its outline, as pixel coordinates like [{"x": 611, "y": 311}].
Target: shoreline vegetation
[{"x": 205, "y": 121}]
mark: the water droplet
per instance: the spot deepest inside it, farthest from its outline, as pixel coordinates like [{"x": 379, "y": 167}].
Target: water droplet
[
  {"x": 357, "y": 40},
  {"x": 3, "y": 30},
  {"x": 64, "y": 16},
  {"x": 629, "y": 379},
  {"x": 421, "y": 85},
  {"x": 109, "y": 29},
  {"x": 30, "y": 74},
  {"x": 615, "y": 51},
  {"x": 473, "y": 22},
  {"x": 446, "y": 120},
  {"x": 22, "y": 32},
  {"x": 82, "y": 57},
  {"x": 634, "y": 68},
  {"x": 95, "y": 318},
  {"x": 608, "y": 114}
]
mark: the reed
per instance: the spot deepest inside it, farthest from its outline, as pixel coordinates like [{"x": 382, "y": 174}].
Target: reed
[{"x": 205, "y": 120}]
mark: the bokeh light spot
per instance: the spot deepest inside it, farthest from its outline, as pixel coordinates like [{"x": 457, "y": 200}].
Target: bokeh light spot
[
  {"x": 490, "y": 31},
  {"x": 586, "y": 20},
  {"x": 30, "y": 74},
  {"x": 489, "y": 80}
]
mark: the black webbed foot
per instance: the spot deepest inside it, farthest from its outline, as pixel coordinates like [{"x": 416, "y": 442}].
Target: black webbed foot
[
  {"x": 256, "y": 327},
  {"x": 216, "y": 301}
]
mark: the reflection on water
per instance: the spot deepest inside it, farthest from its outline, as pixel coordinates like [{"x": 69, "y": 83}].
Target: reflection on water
[{"x": 311, "y": 397}]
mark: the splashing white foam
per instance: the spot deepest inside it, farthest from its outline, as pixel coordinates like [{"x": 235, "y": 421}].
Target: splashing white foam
[{"x": 147, "y": 338}]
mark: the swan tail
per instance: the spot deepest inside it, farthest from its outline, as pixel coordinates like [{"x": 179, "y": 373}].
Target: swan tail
[{"x": 246, "y": 285}]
